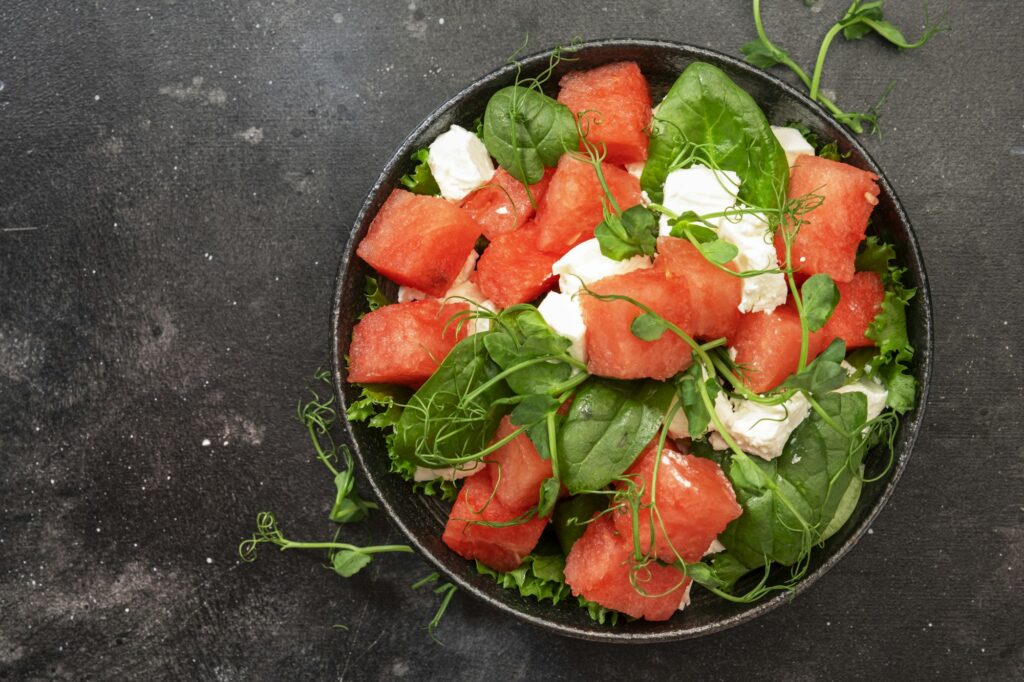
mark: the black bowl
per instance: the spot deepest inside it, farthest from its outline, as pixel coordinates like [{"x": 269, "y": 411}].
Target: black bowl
[{"x": 422, "y": 519}]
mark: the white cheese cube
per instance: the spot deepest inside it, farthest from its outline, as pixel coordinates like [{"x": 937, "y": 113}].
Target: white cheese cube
[
  {"x": 564, "y": 315},
  {"x": 758, "y": 429},
  {"x": 714, "y": 548},
  {"x": 586, "y": 262},
  {"x": 636, "y": 169},
  {"x": 793, "y": 143},
  {"x": 459, "y": 162},
  {"x": 749, "y": 233},
  {"x": 406, "y": 294},
  {"x": 698, "y": 189},
  {"x": 447, "y": 473},
  {"x": 872, "y": 390}
]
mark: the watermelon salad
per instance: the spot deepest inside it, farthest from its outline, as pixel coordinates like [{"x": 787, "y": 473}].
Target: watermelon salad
[{"x": 636, "y": 347}]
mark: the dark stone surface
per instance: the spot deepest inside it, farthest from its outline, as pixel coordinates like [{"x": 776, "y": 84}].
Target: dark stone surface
[{"x": 177, "y": 180}]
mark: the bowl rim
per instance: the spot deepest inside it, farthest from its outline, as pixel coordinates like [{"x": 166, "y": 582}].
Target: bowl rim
[{"x": 924, "y": 354}]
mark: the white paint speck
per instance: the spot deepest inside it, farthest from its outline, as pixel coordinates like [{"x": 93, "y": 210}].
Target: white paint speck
[
  {"x": 441, "y": 21},
  {"x": 338, "y": 18},
  {"x": 206, "y": 442},
  {"x": 209, "y": 559},
  {"x": 96, "y": 98},
  {"x": 251, "y": 135}
]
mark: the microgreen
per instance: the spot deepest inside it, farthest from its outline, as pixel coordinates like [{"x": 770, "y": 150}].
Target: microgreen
[{"x": 860, "y": 19}]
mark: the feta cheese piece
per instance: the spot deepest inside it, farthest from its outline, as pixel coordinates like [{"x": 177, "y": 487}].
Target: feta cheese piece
[
  {"x": 749, "y": 233},
  {"x": 636, "y": 169},
  {"x": 685, "y": 601},
  {"x": 698, "y": 189},
  {"x": 872, "y": 390},
  {"x": 564, "y": 315},
  {"x": 459, "y": 162},
  {"x": 714, "y": 548},
  {"x": 447, "y": 473},
  {"x": 758, "y": 429},
  {"x": 679, "y": 427},
  {"x": 793, "y": 143},
  {"x": 406, "y": 294},
  {"x": 469, "y": 292},
  {"x": 586, "y": 262}
]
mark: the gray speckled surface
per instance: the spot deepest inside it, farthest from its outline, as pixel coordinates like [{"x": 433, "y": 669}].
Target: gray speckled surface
[{"x": 178, "y": 180}]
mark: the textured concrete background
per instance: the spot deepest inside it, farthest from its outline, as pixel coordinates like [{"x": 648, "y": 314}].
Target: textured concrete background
[{"x": 177, "y": 180}]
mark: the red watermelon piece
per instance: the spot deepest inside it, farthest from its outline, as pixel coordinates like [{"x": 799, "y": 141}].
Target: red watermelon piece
[
  {"x": 513, "y": 270},
  {"x": 618, "y": 105},
  {"x": 612, "y": 348},
  {"x": 598, "y": 568},
  {"x": 517, "y": 469},
  {"x": 573, "y": 204},
  {"x": 695, "y": 503},
  {"x": 502, "y": 205},
  {"x": 768, "y": 347},
  {"x": 860, "y": 301},
  {"x": 714, "y": 295},
  {"x": 403, "y": 343},
  {"x": 827, "y": 240},
  {"x": 419, "y": 241},
  {"x": 500, "y": 547}
]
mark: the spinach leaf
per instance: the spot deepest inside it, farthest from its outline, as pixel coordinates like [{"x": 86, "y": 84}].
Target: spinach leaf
[
  {"x": 456, "y": 411},
  {"x": 820, "y": 297},
  {"x": 634, "y": 233},
  {"x": 706, "y": 112},
  {"x": 609, "y": 424},
  {"x": 811, "y": 478},
  {"x": 521, "y": 336},
  {"x": 824, "y": 374},
  {"x": 548, "y": 496},
  {"x": 421, "y": 180},
  {"x": 526, "y": 131},
  {"x": 847, "y": 503},
  {"x": 572, "y": 515}
]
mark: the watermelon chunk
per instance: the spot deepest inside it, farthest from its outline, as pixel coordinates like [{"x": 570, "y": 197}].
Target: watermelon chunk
[
  {"x": 830, "y": 234},
  {"x": 500, "y": 547},
  {"x": 768, "y": 347},
  {"x": 502, "y": 205},
  {"x": 513, "y": 270},
  {"x": 517, "y": 470},
  {"x": 598, "y": 568},
  {"x": 695, "y": 503},
  {"x": 617, "y": 102},
  {"x": 403, "y": 343},
  {"x": 860, "y": 301},
  {"x": 573, "y": 204},
  {"x": 419, "y": 241},
  {"x": 714, "y": 295},
  {"x": 612, "y": 348}
]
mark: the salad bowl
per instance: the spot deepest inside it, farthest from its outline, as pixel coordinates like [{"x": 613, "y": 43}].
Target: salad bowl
[{"x": 422, "y": 519}]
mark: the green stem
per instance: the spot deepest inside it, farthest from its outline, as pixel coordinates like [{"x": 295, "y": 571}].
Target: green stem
[
  {"x": 376, "y": 549},
  {"x": 820, "y": 63}
]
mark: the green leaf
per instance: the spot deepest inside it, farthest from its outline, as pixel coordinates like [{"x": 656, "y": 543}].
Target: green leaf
[
  {"x": 348, "y": 506},
  {"x": 824, "y": 374},
  {"x": 347, "y": 562},
  {"x": 809, "y": 479},
  {"x": 706, "y": 112},
  {"x": 533, "y": 409},
  {"x": 688, "y": 386},
  {"x": 820, "y": 297},
  {"x": 609, "y": 424},
  {"x": 526, "y": 131},
  {"x": 719, "y": 251},
  {"x": 648, "y": 327},
  {"x": 863, "y": 18},
  {"x": 847, "y": 504},
  {"x": 876, "y": 256},
  {"x": 379, "y": 405},
  {"x": 761, "y": 55},
  {"x": 522, "y": 338},
  {"x": 634, "y": 233},
  {"x": 572, "y": 515},
  {"x": 375, "y": 298},
  {"x": 455, "y": 413},
  {"x": 421, "y": 181},
  {"x": 549, "y": 490},
  {"x": 690, "y": 224}
]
